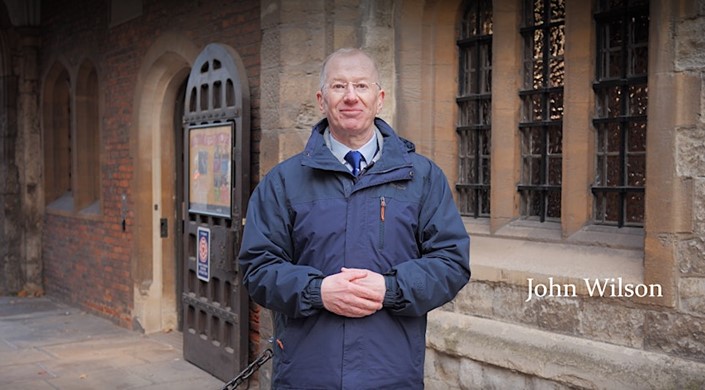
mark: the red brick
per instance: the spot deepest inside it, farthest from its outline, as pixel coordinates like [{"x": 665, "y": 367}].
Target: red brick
[{"x": 88, "y": 261}]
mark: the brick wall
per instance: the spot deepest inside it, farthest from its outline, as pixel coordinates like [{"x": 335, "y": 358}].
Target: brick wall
[
  {"x": 87, "y": 259},
  {"x": 87, "y": 262}
]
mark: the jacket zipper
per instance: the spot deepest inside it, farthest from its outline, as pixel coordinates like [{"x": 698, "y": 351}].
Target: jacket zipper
[{"x": 382, "y": 207}]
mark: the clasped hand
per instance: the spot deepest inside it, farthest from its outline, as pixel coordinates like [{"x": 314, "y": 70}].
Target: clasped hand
[{"x": 353, "y": 292}]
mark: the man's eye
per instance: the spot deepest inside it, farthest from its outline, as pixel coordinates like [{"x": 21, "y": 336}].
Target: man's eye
[
  {"x": 338, "y": 87},
  {"x": 362, "y": 86}
]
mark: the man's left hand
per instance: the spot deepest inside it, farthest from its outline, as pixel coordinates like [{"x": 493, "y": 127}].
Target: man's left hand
[{"x": 373, "y": 280}]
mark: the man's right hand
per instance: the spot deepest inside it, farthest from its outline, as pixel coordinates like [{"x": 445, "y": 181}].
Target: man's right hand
[{"x": 342, "y": 296}]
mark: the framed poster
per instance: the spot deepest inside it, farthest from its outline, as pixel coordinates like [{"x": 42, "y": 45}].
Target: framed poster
[
  {"x": 203, "y": 256},
  {"x": 210, "y": 169}
]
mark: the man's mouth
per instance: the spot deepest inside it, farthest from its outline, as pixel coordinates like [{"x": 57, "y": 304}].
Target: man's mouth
[{"x": 350, "y": 112}]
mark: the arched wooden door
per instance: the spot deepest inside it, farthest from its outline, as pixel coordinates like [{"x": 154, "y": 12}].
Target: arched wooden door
[{"x": 216, "y": 190}]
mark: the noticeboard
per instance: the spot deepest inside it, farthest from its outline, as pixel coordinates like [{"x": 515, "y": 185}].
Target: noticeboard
[{"x": 210, "y": 167}]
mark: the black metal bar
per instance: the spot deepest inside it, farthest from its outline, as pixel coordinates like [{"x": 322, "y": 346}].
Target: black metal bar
[{"x": 596, "y": 189}]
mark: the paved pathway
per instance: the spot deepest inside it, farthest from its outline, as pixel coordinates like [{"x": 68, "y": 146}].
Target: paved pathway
[{"x": 45, "y": 344}]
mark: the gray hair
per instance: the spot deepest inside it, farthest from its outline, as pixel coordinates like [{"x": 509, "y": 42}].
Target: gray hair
[{"x": 346, "y": 51}]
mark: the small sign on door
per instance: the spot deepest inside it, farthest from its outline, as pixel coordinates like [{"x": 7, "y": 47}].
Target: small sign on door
[{"x": 203, "y": 266}]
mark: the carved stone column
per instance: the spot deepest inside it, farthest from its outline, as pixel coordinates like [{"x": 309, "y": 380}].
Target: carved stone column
[
  {"x": 11, "y": 278},
  {"x": 29, "y": 159}
]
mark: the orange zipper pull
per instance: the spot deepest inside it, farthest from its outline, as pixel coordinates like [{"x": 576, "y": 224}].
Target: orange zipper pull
[{"x": 382, "y": 205}]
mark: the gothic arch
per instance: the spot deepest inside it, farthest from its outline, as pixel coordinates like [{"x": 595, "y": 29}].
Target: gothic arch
[
  {"x": 164, "y": 69},
  {"x": 56, "y": 126},
  {"x": 88, "y": 130}
]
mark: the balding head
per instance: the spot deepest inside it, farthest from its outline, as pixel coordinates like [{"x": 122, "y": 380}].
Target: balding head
[{"x": 348, "y": 52}]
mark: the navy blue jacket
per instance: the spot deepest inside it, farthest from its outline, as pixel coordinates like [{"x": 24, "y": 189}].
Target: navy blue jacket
[{"x": 308, "y": 218}]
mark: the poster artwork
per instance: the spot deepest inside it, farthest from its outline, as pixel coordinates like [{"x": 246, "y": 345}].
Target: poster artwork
[{"x": 210, "y": 178}]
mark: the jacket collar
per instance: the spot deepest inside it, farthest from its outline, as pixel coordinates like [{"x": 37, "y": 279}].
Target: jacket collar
[{"x": 395, "y": 153}]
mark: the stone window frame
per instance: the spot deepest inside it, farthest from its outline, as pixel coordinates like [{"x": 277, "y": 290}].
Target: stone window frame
[
  {"x": 506, "y": 248},
  {"x": 72, "y": 140}
]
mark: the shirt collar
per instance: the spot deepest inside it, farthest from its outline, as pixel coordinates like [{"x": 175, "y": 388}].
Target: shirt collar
[{"x": 339, "y": 150}]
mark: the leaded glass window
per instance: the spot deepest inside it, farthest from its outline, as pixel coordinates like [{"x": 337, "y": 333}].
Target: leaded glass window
[
  {"x": 541, "y": 126},
  {"x": 621, "y": 102},
  {"x": 474, "y": 108}
]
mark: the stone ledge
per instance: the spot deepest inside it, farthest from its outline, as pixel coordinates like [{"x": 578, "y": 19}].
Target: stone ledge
[
  {"x": 514, "y": 261},
  {"x": 563, "y": 359}
]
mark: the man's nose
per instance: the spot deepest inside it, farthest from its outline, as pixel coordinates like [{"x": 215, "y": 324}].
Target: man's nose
[{"x": 350, "y": 92}]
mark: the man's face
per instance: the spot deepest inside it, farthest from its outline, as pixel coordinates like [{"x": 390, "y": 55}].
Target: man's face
[{"x": 344, "y": 100}]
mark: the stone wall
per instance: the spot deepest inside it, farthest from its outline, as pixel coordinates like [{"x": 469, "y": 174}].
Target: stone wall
[
  {"x": 491, "y": 337},
  {"x": 491, "y": 329},
  {"x": 20, "y": 150},
  {"x": 11, "y": 278},
  {"x": 297, "y": 36},
  {"x": 690, "y": 162}
]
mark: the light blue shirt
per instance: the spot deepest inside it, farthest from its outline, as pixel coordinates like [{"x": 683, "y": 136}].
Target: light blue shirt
[{"x": 370, "y": 151}]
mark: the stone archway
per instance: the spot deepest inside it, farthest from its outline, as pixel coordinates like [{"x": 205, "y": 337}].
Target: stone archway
[{"x": 164, "y": 69}]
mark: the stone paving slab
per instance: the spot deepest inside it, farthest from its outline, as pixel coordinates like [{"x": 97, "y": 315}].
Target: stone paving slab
[{"x": 49, "y": 345}]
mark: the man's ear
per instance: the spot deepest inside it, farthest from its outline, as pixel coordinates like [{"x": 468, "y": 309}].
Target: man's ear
[
  {"x": 380, "y": 101},
  {"x": 321, "y": 101}
]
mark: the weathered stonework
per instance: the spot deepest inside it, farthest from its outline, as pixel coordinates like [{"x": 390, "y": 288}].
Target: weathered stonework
[
  {"x": 690, "y": 152},
  {"x": 690, "y": 47},
  {"x": 700, "y": 115},
  {"x": 691, "y": 257},
  {"x": 675, "y": 334},
  {"x": 554, "y": 360},
  {"x": 558, "y": 315},
  {"x": 692, "y": 296},
  {"x": 472, "y": 299},
  {"x": 442, "y": 371},
  {"x": 11, "y": 279},
  {"x": 447, "y": 373},
  {"x": 699, "y": 205},
  {"x": 612, "y": 323},
  {"x": 509, "y": 305},
  {"x": 20, "y": 229}
]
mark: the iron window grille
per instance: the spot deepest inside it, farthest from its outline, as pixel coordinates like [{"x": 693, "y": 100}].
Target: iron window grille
[
  {"x": 621, "y": 97},
  {"x": 474, "y": 108},
  {"x": 541, "y": 126}
]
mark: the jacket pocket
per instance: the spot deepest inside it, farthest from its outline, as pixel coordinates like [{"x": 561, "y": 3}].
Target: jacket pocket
[{"x": 390, "y": 225}]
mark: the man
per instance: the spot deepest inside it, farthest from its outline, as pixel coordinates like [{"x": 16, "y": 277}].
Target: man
[{"x": 351, "y": 258}]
